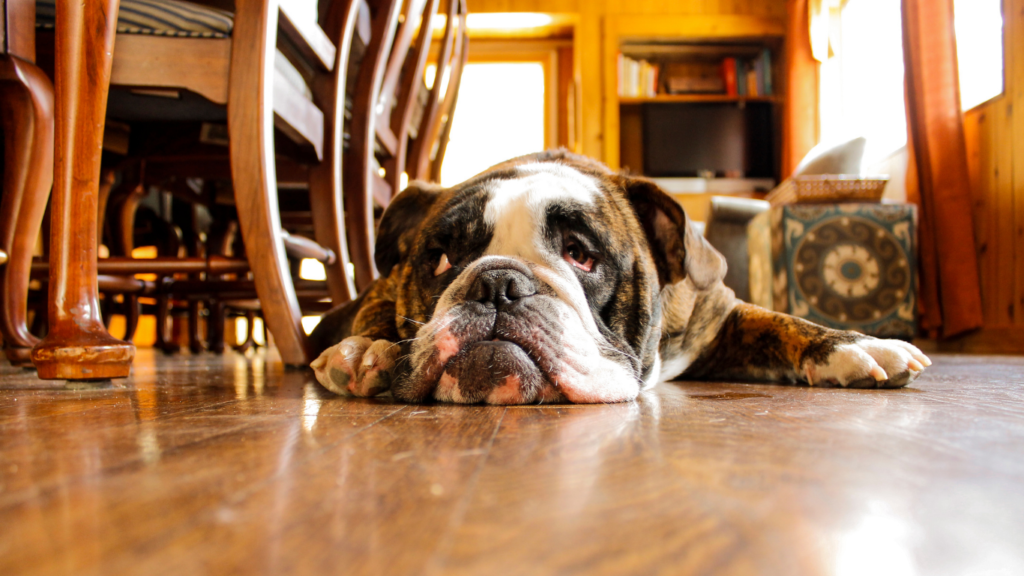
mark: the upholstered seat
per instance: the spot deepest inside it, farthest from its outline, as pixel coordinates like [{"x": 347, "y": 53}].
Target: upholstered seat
[
  {"x": 157, "y": 18},
  {"x": 726, "y": 230},
  {"x": 179, "y": 19}
]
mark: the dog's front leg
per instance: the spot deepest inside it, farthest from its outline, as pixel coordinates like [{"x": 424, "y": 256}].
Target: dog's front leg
[
  {"x": 757, "y": 344},
  {"x": 365, "y": 363}
]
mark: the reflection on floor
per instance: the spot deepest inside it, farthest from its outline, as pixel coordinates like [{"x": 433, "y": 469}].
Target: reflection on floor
[{"x": 210, "y": 465}]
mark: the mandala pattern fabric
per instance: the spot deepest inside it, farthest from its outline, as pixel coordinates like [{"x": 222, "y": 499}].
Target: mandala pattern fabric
[{"x": 848, "y": 266}]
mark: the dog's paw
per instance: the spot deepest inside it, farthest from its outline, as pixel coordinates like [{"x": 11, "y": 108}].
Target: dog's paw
[
  {"x": 868, "y": 363},
  {"x": 357, "y": 366}
]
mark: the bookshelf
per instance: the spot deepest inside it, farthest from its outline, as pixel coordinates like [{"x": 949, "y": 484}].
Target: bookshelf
[
  {"x": 697, "y": 45},
  {"x": 691, "y": 98}
]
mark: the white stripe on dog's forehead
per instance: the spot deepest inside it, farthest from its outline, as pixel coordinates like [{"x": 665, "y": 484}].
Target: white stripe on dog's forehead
[
  {"x": 518, "y": 206},
  {"x": 538, "y": 186}
]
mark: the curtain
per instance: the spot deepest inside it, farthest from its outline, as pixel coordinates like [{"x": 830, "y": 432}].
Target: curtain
[
  {"x": 938, "y": 179},
  {"x": 800, "y": 110}
]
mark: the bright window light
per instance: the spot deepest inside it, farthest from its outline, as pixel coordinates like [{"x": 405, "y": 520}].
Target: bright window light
[
  {"x": 498, "y": 20},
  {"x": 241, "y": 329},
  {"x": 428, "y": 75},
  {"x": 500, "y": 115},
  {"x": 879, "y": 545},
  {"x": 310, "y": 269},
  {"x": 862, "y": 85},
  {"x": 506, "y": 20},
  {"x": 303, "y": 9},
  {"x": 310, "y": 322},
  {"x": 979, "y": 50}
]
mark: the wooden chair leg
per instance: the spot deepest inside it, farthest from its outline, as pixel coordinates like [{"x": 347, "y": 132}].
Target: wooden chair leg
[
  {"x": 126, "y": 219},
  {"x": 215, "y": 327},
  {"x": 187, "y": 217},
  {"x": 359, "y": 174},
  {"x": 26, "y": 107},
  {"x": 132, "y": 311},
  {"x": 325, "y": 181},
  {"x": 106, "y": 186},
  {"x": 77, "y": 346},
  {"x": 450, "y": 100},
  {"x": 164, "y": 331},
  {"x": 222, "y": 237},
  {"x": 251, "y": 133},
  {"x": 195, "y": 336}
]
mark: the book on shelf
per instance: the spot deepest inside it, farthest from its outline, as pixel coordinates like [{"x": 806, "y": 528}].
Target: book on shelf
[
  {"x": 766, "y": 67},
  {"x": 755, "y": 76},
  {"x": 729, "y": 76},
  {"x": 637, "y": 78},
  {"x": 691, "y": 78},
  {"x": 742, "y": 76},
  {"x": 741, "y": 79},
  {"x": 753, "y": 86}
]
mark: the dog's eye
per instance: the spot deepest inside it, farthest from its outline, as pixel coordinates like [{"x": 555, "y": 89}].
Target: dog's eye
[
  {"x": 443, "y": 266},
  {"x": 575, "y": 255}
]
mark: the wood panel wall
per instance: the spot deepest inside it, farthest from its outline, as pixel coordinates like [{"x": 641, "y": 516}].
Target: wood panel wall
[
  {"x": 995, "y": 147},
  {"x": 591, "y": 17},
  {"x": 995, "y": 144}
]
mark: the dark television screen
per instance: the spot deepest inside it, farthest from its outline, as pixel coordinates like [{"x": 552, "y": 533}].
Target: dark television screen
[{"x": 689, "y": 139}]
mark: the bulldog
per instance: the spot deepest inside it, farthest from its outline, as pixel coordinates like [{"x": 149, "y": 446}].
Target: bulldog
[{"x": 550, "y": 278}]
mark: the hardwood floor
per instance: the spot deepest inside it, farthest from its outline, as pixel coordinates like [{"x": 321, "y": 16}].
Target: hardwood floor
[{"x": 210, "y": 465}]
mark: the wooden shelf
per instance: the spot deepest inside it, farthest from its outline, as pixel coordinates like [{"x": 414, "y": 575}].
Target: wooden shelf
[
  {"x": 664, "y": 37},
  {"x": 695, "y": 98}
]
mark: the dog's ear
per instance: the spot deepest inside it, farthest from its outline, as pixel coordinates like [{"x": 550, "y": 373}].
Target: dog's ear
[
  {"x": 679, "y": 251},
  {"x": 400, "y": 223}
]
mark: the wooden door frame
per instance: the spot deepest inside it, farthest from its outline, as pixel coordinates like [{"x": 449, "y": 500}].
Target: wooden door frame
[{"x": 557, "y": 57}]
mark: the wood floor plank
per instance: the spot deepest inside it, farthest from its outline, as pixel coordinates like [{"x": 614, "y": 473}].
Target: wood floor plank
[
  {"x": 103, "y": 519},
  {"x": 231, "y": 464},
  {"x": 730, "y": 479},
  {"x": 377, "y": 507}
]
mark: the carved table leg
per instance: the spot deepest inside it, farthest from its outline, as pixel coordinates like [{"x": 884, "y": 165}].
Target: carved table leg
[
  {"x": 26, "y": 108},
  {"x": 78, "y": 346}
]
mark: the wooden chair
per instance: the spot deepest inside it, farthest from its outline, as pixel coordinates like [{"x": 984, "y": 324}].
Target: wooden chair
[
  {"x": 236, "y": 72},
  {"x": 26, "y": 109},
  {"x": 389, "y": 89},
  {"x": 239, "y": 73},
  {"x": 428, "y": 148},
  {"x": 384, "y": 97}
]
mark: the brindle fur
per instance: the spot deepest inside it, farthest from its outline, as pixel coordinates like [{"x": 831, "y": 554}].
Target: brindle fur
[
  {"x": 695, "y": 320},
  {"x": 754, "y": 343}
]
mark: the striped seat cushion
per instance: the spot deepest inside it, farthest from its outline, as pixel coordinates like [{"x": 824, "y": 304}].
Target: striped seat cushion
[
  {"x": 179, "y": 19},
  {"x": 157, "y": 18}
]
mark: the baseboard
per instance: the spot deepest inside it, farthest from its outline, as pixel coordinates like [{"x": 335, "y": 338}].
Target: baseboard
[{"x": 1003, "y": 340}]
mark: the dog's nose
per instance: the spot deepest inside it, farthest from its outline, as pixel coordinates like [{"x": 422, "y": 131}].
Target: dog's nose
[{"x": 501, "y": 287}]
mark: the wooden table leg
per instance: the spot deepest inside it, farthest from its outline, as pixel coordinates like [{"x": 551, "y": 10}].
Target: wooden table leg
[
  {"x": 78, "y": 346},
  {"x": 26, "y": 109}
]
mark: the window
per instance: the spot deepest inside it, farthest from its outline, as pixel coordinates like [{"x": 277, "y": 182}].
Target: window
[
  {"x": 862, "y": 81},
  {"x": 499, "y": 115},
  {"x": 979, "y": 50},
  {"x": 514, "y": 98}
]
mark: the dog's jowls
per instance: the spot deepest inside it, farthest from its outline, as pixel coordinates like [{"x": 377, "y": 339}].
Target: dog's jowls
[{"x": 550, "y": 278}]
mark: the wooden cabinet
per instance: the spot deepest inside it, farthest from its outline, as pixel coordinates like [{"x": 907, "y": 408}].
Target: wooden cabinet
[{"x": 697, "y": 41}]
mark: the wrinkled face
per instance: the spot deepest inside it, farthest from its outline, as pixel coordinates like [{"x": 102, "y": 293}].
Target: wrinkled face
[{"x": 532, "y": 284}]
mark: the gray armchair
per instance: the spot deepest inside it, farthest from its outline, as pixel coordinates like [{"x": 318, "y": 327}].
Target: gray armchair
[{"x": 726, "y": 230}]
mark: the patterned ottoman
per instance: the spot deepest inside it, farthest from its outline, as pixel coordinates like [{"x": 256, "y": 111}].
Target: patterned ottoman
[{"x": 848, "y": 266}]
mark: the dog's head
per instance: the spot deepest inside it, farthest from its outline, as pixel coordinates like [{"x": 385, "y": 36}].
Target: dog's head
[{"x": 535, "y": 281}]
